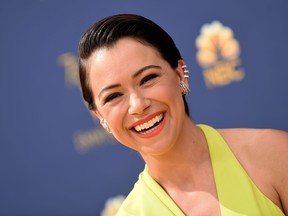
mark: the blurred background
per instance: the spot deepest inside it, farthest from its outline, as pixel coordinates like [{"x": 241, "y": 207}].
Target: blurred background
[{"x": 55, "y": 159}]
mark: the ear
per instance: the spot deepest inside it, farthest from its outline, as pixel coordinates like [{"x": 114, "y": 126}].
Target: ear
[
  {"x": 182, "y": 71},
  {"x": 95, "y": 113}
]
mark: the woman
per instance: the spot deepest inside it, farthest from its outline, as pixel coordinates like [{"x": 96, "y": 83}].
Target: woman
[{"x": 135, "y": 81}]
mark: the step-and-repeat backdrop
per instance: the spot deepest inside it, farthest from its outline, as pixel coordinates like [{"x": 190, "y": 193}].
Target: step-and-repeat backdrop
[{"x": 55, "y": 159}]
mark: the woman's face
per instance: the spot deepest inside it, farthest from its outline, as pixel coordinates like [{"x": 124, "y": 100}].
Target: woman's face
[{"x": 138, "y": 94}]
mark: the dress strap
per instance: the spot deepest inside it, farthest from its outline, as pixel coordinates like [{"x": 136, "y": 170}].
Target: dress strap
[{"x": 236, "y": 190}]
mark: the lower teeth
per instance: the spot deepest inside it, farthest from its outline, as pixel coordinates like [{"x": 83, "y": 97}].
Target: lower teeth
[{"x": 150, "y": 130}]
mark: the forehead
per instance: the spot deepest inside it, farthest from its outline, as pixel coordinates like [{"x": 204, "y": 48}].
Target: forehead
[
  {"x": 127, "y": 53},
  {"x": 125, "y": 48},
  {"x": 122, "y": 59}
]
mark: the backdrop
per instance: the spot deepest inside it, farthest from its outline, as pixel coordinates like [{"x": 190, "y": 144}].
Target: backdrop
[{"x": 54, "y": 157}]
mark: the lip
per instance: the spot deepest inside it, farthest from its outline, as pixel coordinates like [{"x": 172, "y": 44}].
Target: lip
[
  {"x": 154, "y": 132},
  {"x": 148, "y": 118}
]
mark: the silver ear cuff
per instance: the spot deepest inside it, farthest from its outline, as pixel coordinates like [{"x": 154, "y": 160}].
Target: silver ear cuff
[
  {"x": 185, "y": 88},
  {"x": 186, "y": 72}
]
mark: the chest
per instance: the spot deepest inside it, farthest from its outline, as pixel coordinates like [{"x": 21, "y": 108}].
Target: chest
[
  {"x": 199, "y": 198},
  {"x": 199, "y": 203}
]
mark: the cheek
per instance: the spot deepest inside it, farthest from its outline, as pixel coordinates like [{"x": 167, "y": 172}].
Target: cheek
[
  {"x": 170, "y": 91},
  {"x": 114, "y": 116}
]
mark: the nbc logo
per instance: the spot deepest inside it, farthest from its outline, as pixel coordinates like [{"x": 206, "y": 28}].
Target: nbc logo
[{"x": 218, "y": 54}]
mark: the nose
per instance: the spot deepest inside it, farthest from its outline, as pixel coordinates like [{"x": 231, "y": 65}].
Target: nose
[{"x": 138, "y": 103}]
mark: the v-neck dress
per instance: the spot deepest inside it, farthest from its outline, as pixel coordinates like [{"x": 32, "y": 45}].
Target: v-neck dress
[{"x": 237, "y": 193}]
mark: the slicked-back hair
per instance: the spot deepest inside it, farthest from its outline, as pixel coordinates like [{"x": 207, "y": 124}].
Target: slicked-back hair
[{"x": 106, "y": 33}]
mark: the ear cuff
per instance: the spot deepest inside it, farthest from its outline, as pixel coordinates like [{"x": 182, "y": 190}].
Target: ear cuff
[
  {"x": 186, "y": 72},
  {"x": 185, "y": 88}
]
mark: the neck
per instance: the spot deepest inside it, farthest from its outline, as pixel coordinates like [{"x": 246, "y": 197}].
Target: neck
[{"x": 183, "y": 161}]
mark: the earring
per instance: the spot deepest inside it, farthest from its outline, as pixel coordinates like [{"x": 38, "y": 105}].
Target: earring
[
  {"x": 185, "y": 88},
  {"x": 186, "y": 72},
  {"x": 104, "y": 124}
]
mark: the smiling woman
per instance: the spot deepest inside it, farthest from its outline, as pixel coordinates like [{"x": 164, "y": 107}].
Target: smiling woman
[
  {"x": 135, "y": 81},
  {"x": 137, "y": 93}
]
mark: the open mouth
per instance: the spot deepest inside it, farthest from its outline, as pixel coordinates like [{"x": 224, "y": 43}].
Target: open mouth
[{"x": 149, "y": 126}]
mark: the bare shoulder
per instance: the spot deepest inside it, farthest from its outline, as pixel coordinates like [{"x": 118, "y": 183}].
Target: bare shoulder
[
  {"x": 263, "y": 153},
  {"x": 257, "y": 141},
  {"x": 252, "y": 136},
  {"x": 267, "y": 147}
]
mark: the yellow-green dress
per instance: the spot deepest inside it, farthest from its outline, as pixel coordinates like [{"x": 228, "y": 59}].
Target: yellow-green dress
[{"x": 237, "y": 194}]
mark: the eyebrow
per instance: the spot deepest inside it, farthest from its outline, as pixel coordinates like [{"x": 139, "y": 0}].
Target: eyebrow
[{"x": 137, "y": 73}]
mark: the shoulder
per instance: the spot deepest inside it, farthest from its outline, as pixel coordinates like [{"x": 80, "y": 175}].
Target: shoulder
[
  {"x": 252, "y": 138},
  {"x": 263, "y": 154},
  {"x": 255, "y": 132},
  {"x": 266, "y": 148},
  {"x": 268, "y": 142}
]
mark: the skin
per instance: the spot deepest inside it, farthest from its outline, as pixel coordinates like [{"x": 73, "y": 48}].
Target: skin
[{"x": 132, "y": 83}]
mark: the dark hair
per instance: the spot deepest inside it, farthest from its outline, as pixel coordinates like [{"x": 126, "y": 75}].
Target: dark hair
[{"x": 109, "y": 30}]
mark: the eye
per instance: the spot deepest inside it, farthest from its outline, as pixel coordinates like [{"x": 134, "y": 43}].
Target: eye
[
  {"x": 112, "y": 97},
  {"x": 148, "y": 78}
]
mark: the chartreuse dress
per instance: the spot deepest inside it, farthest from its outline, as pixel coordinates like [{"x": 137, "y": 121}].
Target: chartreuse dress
[{"x": 237, "y": 194}]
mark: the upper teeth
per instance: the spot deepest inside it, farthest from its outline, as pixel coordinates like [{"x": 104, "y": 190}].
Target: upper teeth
[{"x": 150, "y": 123}]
